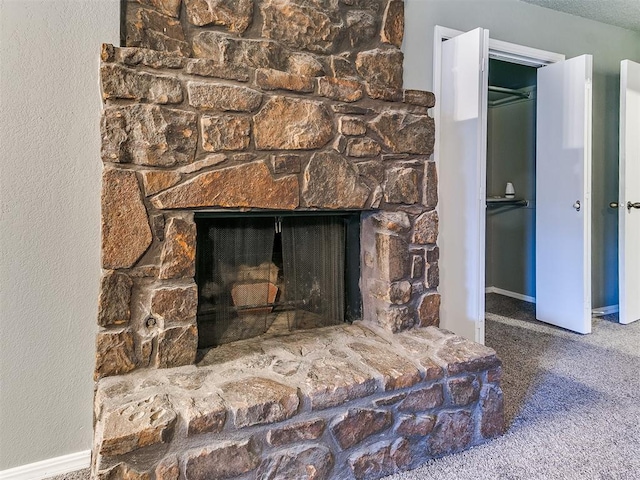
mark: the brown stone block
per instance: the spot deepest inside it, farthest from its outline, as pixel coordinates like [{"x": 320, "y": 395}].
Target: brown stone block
[
  {"x": 126, "y": 233},
  {"x": 148, "y": 135},
  {"x": 402, "y": 185},
  {"x": 154, "y": 21},
  {"x": 179, "y": 249},
  {"x": 286, "y": 123},
  {"x": 206, "y": 162},
  {"x": 205, "y": 67},
  {"x": 222, "y": 460},
  {"x": 236, "y": 15},
  {"x": 432, "y": 279},
  {"x": 417, "y": 266},
  {"x": 155, "y": 181},
  {"x": 425, "y": 228},
  {"x": 121, "y": 82},
  {"x": 300, "y": 25},
  {"x": 397, "y": 372},
  {"x": 224, "y": 132},
  {"x": 351, "y": 109},
  {"x": 494, "y": 375},
  {"x": 395, "y": 318},
  {"x": 362, "y": 147},
  {"x": 168, "y": 7},
  {"x": 359, "y": 424},
  {"x": 431, "y": 185},
  {"x": 175, "y": 304},
  {"x": 330, "y": 181},
  {"x": 419, "y": 97},
  {"x": 149, "y": 29},
  {"x": 299, "y": 462},
  {"x": 429, "y": 310},
  {"x": 404, "y": 132},
  {"x": 114, "y": 353},
  {"x": 388, "y": 94},
  {"x": 341, "y": 67},
  {"x": 136, "y": 425},
  {"x": 177, "y": 346},
  {"x": 393, "y": 222},
  {"x": 464, "y": 390},
  {"x": 492, "y": 422},
  {"x": 340, "y": 89},
  {"x": 296, "y": 433},
  {"x": 415, "y": 425},
  {"x": 245, "y": 185},
  {"x": 461, "y": 355},
  {"x": 305, "y": 64},
  {"x": 381, "y": 67},
  {"x": 259, "y": 401},
  {"x": 423, "y": 344},
  {"x": 380, "y": 459},
  {"x": 340, "y": 144},
  {"x": 122, "y": 471},
  {"x": 361, "y": 27},
  {"x": 351, "y": 126},
  {"x": 219, "y": 96},
  {"x": 270, "y": 79},
  {"x": 168, "y": 469},
  {"x": 134, "y": 56},
  {"x": 423, "y": 399},
  {"x": 113, "y": 302},
  {"x": 204, "y": 415},
  {"x": 453, "y": 432},
  {"x": 392, "y": 252},
  {"x": 393, "y": 23},
  {"x": 285, "y": 163}
]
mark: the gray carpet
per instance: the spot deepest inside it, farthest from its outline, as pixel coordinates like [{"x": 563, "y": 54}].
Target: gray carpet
[{"x": 572, "y": 403}]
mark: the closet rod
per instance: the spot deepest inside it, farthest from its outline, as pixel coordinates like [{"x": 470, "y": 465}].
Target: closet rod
[{"x": 510, "y": 91}]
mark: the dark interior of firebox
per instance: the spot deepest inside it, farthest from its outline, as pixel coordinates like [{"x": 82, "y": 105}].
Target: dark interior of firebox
[{"x": 272, "y": 273}]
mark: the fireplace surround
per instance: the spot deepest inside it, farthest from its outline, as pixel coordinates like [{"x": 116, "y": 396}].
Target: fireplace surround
[{"x": 248, "y": 108}]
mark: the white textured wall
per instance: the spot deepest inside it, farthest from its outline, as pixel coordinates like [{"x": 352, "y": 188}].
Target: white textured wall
[
  {"x": 49, "y": 222},
  {"x": 533, "y": 26}
]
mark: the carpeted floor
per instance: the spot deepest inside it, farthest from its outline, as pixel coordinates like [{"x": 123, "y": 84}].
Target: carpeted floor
[{"x": 572, "y": 403}]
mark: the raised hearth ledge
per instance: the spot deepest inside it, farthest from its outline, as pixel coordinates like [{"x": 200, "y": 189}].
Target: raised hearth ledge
[{"x": 351, "y": 401}]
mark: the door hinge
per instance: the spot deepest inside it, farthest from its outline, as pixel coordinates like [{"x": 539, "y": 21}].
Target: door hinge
[{"x": 482, "y": 65}]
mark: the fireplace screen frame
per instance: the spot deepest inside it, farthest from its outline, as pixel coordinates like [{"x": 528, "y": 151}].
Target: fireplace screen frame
[{"x": 352, "y": 298}]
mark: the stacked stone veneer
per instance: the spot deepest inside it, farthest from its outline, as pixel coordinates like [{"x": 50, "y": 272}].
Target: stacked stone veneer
[{"x": 270, "y": 105}]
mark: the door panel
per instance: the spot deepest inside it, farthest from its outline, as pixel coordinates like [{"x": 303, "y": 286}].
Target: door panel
[
  {"x": 563, "y": 194},
  {"x": 462, "y": 147},
  {"x": 629, "y": 218}
]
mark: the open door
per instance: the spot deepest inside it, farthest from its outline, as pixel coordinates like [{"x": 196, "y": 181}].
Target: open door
[
  {"x": 462, "y": 147},
  {"x": 563, "y": 194},
  {"x": 629, "y": 215}
]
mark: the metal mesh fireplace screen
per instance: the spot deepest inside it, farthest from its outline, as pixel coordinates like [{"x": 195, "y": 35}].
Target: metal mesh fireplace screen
[{"x": 272, "y": 274}]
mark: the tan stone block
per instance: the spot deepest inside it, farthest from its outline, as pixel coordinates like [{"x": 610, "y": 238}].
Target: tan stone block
[
  {"x": 177, "y": 346},
  {"x": 244, "y": 185},
  {"x": 114, "y": 353},
  {"x": 341, "y": 67},
  {"x": 231, "y": 51},
  {"x": 461, "y": 355},
  {"x": 136, "y": 425},
  {"x": 404, "y": 132},
  {"x": 340, "y": 89},
  {"x": 236, "y": 15},
  {"x": 168, "y": 7},
  {"x": 397, "y": 372},
  {"x": 429, "y": 310},
  {"x": 402, "y": 185},
  {"x": 258, "y": 401},
  {"x": 270, "y": 79},
  {"x": 301, "y": 63},
  {"x": 296, "y": 433},
  {"x": 298, "y": 462},
  {"x": 425, "y": 228},
  {"x": 175, "y": 304},
  {"x": 120, "y": 82},
  {"x": 392, "y": 257},
  {"x": 149, "y": 29},
  {"x": 179, "y": 249},
  {"x": 423, "y": 345},
  {"x": 222, "y": 460},
  {"x": 126, "y": 233},
  {"x": 122, "y": 471},
  {"x": 220, "y": 96},
  {"x": 224, "y": 132},
  {"x": 393, "y": 23},
  {"x": 432, "y": 278},
  {"x": 393, "y": 222},
  {"x": 352, "y": 126},
  {"x": 431, "y": 185},
  {"x": 415, "y": 425},
  {"x": 362, "y": 147},
  {"x": 206, "y": 162},
  {"x": 361, "y": 27},
  {"x": 168, "y": 469},
  {"x": 134, "y": 56},
  {"x": 453, "y": 432},
  {"x": 292, "y": 124},
  {"x": 395, "y": 318},
  {"x": 381, "y": 67},
  {"x": 286, "y": 163},
  {"x": 205, "y": 67},
  {"x": 155, "y": 181},
  {"x": 420, "y": 98},
  {"x": 205, "y": 414},
  {"x": 330, "y": 181},
  {"x": 381, "y": 459},
  {"x": 423, "y": 399},
  {"x": 114, "y": 299},
  {"x": 359, "y": 424}
]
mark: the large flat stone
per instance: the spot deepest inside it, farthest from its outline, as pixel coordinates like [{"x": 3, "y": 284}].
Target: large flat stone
[
  {"x": 398, "y": 372},
  {"x": 358, "y": 424},
  {"x": 168, "y": 7},
  {"x": 177, "y": 259},
  {"x": 236, "y": 15},
  {"x": 225, "y": 97},
  {"x": 228, "y": 50},
  {"x": 248, "y": 185},
  {"x": 114, "y": 299},
  {"x": 177, "y": 346},
  {"x": 115, "y": 353},
  {"x": 453, "y": 432},
  {"x": 404, "y": 132},
  {"x": 122, "y": 82},
  {"x": 222, "y": 460},
  {"x": 126, "y": 233},
  {"x": 393, "y": 23},
  {"x": 381, "y": 67},
  {"x": 175, "y": 304},
  {"x": 224, "y": 132},
  {"x": 296, "y": 433}
]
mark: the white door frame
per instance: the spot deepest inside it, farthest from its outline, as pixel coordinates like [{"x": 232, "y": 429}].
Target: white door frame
[{"x": 500, "y": 50}]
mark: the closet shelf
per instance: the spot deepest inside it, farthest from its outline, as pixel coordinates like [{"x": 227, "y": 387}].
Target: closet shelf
[{"x": 494, "y": 202}]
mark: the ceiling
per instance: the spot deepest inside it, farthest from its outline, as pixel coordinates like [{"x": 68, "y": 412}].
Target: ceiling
[{"x": 622, "y": 13}]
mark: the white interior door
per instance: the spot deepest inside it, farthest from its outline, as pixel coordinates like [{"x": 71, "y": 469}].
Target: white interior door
[
  {"x": 563, "y": 194},
  {"x": 462, "y": 147},
  {"x": 629, "y": 218}
]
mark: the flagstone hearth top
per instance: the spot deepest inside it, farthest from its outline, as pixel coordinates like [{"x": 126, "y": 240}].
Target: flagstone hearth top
[{"x": 265, "y": 380}]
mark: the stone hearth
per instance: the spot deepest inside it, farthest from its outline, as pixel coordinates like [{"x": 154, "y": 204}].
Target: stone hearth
[{"x": 271, "y": 106}]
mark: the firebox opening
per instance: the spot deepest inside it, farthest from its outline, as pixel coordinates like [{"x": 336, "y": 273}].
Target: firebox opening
[{"x": 270, "y": 273}]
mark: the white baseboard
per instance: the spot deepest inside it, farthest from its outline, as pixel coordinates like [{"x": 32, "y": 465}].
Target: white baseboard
[
  {"x": 597, "y": 312},
  {"x": 507, "y": 293},
  {"x": 49, "y": 468}
]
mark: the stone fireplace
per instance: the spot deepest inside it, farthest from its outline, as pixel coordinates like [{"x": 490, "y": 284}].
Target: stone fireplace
[{"x": 250, "y": 148}]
